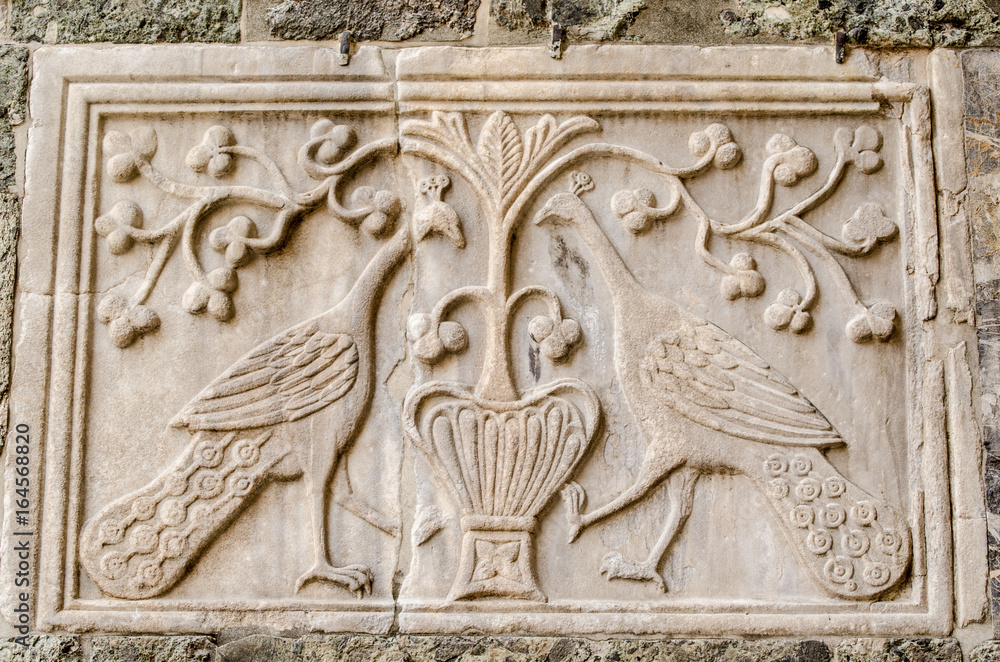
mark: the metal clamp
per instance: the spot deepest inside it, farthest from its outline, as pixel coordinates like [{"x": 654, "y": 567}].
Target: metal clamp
[
  {"x": 555, "y": 46},
  {"x": 345, "y": 48},
  {"x": 840, "y": 46}
]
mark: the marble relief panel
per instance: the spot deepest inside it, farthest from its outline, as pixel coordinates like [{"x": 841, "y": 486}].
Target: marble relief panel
[{"x": 638, "y": 341}]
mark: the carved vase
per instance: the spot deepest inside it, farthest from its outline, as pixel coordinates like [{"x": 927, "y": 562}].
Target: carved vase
[{"x": 502, "y": 461}]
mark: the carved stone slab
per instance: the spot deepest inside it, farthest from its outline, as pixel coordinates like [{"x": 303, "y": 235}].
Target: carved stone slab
[{"x": 646, "y": 340}]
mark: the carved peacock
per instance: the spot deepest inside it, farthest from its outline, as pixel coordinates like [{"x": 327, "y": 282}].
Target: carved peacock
[
  {"x": 710, "y": 404},
  {"x": 314, "y": 379}
]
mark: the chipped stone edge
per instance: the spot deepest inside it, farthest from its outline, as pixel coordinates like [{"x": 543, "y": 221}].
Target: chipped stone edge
[
  {"x": 596, "y": 62},
  {"x": 964, "y": 442}
]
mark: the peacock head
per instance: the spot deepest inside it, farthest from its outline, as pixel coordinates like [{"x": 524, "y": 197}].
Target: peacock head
[{"x": 568, "y": 207}]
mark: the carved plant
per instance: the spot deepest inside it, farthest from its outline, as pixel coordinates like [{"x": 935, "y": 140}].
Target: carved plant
[
  {"x": 502, "y": 461},
  {"x": 328, "y": 156},
  {"x": 504, "y": 169},
  {"x": 502, "y": 454}
]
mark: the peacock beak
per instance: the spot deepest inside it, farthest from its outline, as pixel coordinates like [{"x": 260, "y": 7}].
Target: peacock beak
[
  {"x": 439, "y": 218},
  {"x": 547, "y": 213}
]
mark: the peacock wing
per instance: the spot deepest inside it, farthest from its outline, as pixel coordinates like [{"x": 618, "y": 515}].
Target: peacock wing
[
  {"x": 712, "y": 378},
  {"x": 288, "y": 377}
]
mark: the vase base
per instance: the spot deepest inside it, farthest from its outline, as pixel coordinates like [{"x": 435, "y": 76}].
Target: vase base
[{"x": 496, "y": 564}]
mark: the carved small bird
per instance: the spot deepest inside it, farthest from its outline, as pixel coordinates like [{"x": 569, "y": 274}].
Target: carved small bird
[
  {"x": 322, "y": 368},
  {"x": 710, "y": 404}
]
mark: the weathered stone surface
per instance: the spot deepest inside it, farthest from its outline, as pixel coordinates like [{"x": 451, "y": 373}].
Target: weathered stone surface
[
  {"x": 982, "y": 135},
  {"x": 688, "y": 23},
  {"x": 125, "y": 21},
  {"x": 903, "y": 650},
  {"x": 348, "y": 648},
  {"x": 153, "y": 649},
  {"x": 42, "y": 648},
  {"x": 900, "y": 23},
  {"x": 10, "y": 220},
  {"x": 590, "y": 20},
  {"x": 987, "y": 652},
  {"x": 473, "y": 649},
  {"x": 323, "y": 648},
  {"x": 365, "y": 324},
  {"x": 13, "y": 98},
  {"x": 388, "y": 20},
  {"x": 525, "y": 21},
  {"x": 876, "y": 24},
  {"x": 640, "y": 21},
  {"x": 13, "y": 82},
  {"x": 353, "y": 648},
  {"x": 262, "y": 647}
]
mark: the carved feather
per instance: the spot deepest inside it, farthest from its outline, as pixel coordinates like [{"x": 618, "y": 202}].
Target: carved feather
[
  {"x": 708, "y": 376},
  {"x": 290, "y": 376}
]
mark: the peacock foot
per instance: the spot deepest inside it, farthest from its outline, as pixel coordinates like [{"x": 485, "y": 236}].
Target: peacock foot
[
  {"x": 616, "y": 566},
  {"x": 574, "y": 497},
  {"x": 355, "y": 578}
]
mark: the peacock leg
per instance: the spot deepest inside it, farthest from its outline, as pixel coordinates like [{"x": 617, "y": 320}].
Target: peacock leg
[
  {"x": 345, "y": 495},
  {"x": 655, "y": 468},
  {"x": 681, "y": 491},
  {"x": 355, "y": 578},
  {"x": 680, "y": 488}
]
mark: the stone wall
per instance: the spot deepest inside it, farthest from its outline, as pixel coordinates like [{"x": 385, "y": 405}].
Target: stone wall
[{"x": 891, "y": 37}]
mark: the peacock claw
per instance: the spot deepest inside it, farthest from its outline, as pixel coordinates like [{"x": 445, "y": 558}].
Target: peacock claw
[
  {"x": 617, "y": 566},
  {"x": 355, "y": 578},
  {"x": 574, "y": 497}
]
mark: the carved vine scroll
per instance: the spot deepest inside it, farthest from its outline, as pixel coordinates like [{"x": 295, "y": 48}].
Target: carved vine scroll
[{"x": 330, "y": 156}]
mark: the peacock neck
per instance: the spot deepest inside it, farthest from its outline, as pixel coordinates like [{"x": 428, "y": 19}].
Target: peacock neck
[
  {"x": 370, "y": 286},
  {"x": 623, "y": 285}
]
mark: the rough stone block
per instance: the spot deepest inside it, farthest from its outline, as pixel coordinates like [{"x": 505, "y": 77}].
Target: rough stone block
[
  {"x": 898, "y": 23},
  {"x": 901, "y": 650},
  {"x": 10, "y": 220},
  {"x": 987, "y": 652},
  {"x": 347, "y": 648},
  {"x": 152, "y": 649},
  {"x": 982, "y": 147},
  {"x": 13, "y": 82},
  {"x": 13, "y": 99},
  {"x": 388, "y": 20},
  {"x": 125, "y": 21},
  {"x": 41, "y": 648},
  {"x": 526, "y": 21}
]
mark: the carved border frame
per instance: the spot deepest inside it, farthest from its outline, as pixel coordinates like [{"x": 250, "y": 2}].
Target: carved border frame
[
  {"x": 783, "y": 81},
  {"x": 53, "y": 298},
  {"x": 57, "y": 261}
]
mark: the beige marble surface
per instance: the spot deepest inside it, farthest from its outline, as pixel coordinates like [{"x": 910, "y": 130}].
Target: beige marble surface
[{"x": 646, "y": 340}]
